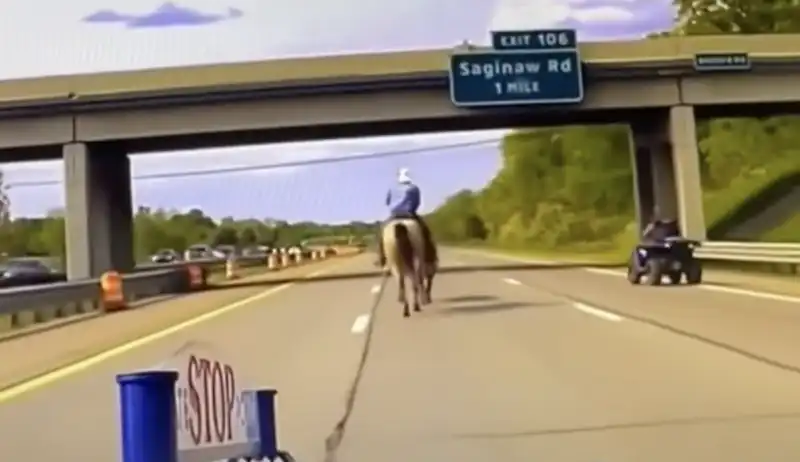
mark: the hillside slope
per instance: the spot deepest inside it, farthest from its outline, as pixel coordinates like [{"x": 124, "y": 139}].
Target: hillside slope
[
  {"x": 759, "y": 225},
  {"x": 764, "y": 211}
]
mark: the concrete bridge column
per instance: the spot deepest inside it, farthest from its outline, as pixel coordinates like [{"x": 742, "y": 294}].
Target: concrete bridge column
[
  {"x": 643, "y": 199},
  {"x": 99, "y": 210},
  {"x": 654, "y": 176},
  {"x": 666, "y": 167},
  {"x": 688, "y": 181}
]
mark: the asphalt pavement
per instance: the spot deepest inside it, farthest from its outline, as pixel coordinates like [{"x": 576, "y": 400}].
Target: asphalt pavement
[{"x": 509, "y": 364}]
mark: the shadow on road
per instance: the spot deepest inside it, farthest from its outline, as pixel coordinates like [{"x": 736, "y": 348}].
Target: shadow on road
[
  {"x": 701, "y": 420},
  {"x": 488, "y": 308},
  {"x": 469, "y": 298},
  {"x": 446, "y": 270}
]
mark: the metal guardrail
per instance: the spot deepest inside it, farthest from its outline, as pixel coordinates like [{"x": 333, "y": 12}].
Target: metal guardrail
[
  {"x": 27, "y": 305},
  {"x": 750, "y": 252}
]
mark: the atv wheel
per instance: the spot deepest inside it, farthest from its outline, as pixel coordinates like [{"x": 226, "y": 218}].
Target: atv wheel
[
  {"x": 633, "y": 276},
  {"x": 654, "y": 272},
  {"x": 675, "y": 277},
  {"x": 694, "y": 273}
]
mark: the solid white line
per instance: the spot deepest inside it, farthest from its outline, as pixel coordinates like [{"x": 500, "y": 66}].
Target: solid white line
[
  {"x": 751, "y": 293},
  {"x": 715, "y": 288},
  {"x": 597, "y": 312},
  {"x": 511, "y": 281},
  {"x": 67, "y": 371},
  {"x": 606, "y": 272},
  {"x": 360, "y": 324},
  {"x": 375, "y": 289}
]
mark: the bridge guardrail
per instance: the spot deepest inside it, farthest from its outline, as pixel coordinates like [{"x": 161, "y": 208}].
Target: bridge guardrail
[{"x": 28, "y": 305}]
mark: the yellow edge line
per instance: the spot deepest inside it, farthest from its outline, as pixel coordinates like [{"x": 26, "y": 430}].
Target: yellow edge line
[{"x": 82, "y": 365}]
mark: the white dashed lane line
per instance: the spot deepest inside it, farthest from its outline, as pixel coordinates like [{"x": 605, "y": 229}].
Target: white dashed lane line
[
  {"x": 360, "y": 324},
  {"x": 582, "y": 307},
  {"x": 597, "y": 312}
]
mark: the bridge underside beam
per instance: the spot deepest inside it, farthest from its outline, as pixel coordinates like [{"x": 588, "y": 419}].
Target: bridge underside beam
[
  {"x": 99, "y": 210},
  {"x": 666, "y": 166}
]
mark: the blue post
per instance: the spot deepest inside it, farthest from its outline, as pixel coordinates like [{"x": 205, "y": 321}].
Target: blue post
[
  {"x": 147, "y": 408},
  {"x": 267, "y": 434}
]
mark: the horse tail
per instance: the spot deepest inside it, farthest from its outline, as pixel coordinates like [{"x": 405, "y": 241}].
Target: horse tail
[{"x": 405, "y": 248}]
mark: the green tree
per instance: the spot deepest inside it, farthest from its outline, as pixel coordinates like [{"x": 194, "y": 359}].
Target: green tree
[
  {"x": 225, "y": 235},
  {"x": 248, "y": 237},
  {"x": 699, "y": 17}
]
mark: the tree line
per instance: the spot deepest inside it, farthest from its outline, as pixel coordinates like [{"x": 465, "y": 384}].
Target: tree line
[
  {"x": 156, "y": 229},
  {"x": 571, "y": 187}
]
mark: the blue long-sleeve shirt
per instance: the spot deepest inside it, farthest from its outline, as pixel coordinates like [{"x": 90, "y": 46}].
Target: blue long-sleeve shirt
[{"x": 405, "y": 199}]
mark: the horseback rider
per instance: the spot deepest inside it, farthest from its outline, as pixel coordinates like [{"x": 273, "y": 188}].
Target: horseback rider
[{"x": 404, "y": 201}]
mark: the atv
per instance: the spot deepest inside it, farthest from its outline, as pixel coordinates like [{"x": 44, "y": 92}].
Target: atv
[{"x": 672, "y": 257}]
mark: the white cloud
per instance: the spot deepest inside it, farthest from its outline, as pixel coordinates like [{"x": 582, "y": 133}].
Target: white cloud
[
  {"x": 602, "y": 14},
  {"x": 529, "y": 14},
  {"x": 542, "y": 14}
]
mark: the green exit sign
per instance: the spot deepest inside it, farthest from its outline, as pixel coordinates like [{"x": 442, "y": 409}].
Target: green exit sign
[{"x": 705, "y": 62}]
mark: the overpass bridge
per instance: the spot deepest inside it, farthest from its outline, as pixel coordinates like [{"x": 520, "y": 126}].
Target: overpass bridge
[
  {"x": 514, "y": 361},
  {"x": 94, "y": 121}
]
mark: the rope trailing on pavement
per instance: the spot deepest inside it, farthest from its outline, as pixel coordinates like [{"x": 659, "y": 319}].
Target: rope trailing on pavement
[{"x": 334, "y": 440}]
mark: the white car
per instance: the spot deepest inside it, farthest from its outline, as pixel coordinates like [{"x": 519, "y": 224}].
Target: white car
[
  {"x": 165, "y": 256},
  {"x": 201, "y": 252}
]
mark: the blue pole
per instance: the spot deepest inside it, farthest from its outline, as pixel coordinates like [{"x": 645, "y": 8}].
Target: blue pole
[
  {"x": 147, "y": 408},
  {"x": 267, "y": 435}
]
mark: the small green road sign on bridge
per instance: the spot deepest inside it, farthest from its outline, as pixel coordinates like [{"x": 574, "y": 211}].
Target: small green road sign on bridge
[{"x": 722, "y": 62}]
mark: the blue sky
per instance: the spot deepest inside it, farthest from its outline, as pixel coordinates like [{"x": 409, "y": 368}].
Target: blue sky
[{"x": 87, "y": 36}]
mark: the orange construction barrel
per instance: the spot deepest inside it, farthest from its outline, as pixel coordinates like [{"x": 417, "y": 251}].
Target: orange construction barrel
[
  {"x": 112, "y": 294},
  {"x": 196, "y": 280}
]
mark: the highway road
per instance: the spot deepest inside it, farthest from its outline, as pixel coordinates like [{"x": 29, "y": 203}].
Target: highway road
[{"x": 564, "y": 365}]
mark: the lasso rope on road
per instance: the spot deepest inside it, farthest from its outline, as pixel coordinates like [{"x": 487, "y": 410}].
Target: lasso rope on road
[{"x": 334, "y": 440}]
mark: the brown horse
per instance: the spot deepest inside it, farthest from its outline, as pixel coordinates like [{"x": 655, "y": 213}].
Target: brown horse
[{"x": 404, "y": 244}]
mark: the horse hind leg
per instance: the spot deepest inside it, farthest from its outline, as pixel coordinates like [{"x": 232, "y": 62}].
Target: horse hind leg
[
  {"x": 401, "y": 295},
  {"x": 401, "y": 289},
  {"x": 428, "y": 289},
  {"x": 419, "y": 292},
  {"x": 423, "y": 281}
]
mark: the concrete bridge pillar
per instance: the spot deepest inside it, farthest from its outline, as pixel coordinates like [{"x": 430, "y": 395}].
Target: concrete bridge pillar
[
  {"x": 688, "y": 181},
  {"x": 666, "y": 166},
  {"x": 99, "y": 209}
]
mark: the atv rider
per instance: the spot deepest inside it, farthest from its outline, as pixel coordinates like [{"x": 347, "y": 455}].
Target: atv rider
[
  {"x": 404, "y": 201},
  {"x": 660, "y": 228}
]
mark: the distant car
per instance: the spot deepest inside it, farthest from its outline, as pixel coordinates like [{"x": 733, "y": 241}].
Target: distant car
[
  {"x": 256, "y": 251},
  {"x": 225, "y": 251},
  {"x": 165, "y": 256},
  {"x": 17, "y": 272},
  {"x": 672, "y": 257},
  {"x": 200, "y": 252}
]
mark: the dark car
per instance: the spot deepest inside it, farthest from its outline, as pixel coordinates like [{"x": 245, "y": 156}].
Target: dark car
[
  {"x": 17, "y": 272},
  {"x": 672, "y": 257}
]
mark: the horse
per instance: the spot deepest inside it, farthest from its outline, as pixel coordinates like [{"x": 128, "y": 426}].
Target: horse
[{"x": 404, "y": 245}]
